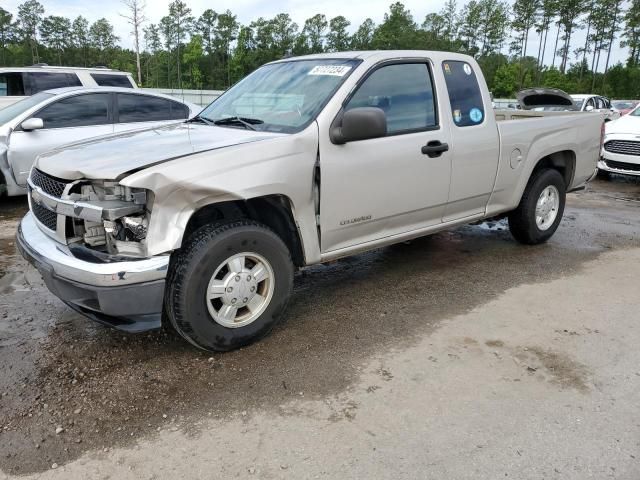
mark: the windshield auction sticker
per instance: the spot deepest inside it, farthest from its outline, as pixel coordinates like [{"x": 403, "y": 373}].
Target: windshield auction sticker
[{"x": 333, "y": 70}]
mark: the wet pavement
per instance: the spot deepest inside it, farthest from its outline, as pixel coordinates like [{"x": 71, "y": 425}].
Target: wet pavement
[{"x": 68, "y": 386}]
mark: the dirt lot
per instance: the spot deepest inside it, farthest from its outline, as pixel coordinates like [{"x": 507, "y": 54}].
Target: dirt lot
[{"x": 463, "y": 355}]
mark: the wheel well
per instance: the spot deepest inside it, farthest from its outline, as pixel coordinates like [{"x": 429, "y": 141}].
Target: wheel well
[
  {"x": 564, "y": 162},
  {"x": 273, "y": 211},
  {"x": 3, "y": 185}
]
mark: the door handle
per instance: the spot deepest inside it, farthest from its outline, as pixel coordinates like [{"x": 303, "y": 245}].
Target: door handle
[{"x": 435, "y": 148}]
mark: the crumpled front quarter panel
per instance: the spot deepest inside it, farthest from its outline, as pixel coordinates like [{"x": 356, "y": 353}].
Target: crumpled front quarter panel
[{"x": 281, "y": 165}]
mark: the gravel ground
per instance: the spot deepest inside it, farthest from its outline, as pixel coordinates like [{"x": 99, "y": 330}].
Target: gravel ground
[{"x": 462, "y": 355}]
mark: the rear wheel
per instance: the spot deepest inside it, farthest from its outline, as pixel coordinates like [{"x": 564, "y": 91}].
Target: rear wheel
[
  {"x": 541, "y": 208},
  {"x": 229, "y": 285}
]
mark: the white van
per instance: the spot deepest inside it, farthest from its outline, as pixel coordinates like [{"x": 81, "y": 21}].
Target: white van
[{"x": 17, "y": 83}]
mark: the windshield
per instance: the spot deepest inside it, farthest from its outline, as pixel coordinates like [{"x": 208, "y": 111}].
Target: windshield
[
  {"x": 12, "y": 111},
  {"x": 280, "y": 97}
]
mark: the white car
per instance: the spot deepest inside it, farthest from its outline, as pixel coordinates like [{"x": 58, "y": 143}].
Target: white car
[
  {"x": 51, "y": 119},
  {"x": 596, "y": 103},
  {"x": 17, "y": 83},
  {"x": 621, "y": 149}
]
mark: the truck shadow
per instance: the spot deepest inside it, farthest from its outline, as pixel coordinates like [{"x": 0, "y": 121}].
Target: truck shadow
[{"x": 105, "y": 388}]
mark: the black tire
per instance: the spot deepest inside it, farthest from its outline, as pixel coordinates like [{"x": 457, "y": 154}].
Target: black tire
[
  {"x": 522, "y": 221},
  {"x": 192, "y": 267}
]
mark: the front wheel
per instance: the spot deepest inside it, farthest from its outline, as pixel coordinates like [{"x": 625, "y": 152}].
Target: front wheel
[
  {"x": 541, "y": 208},
  {"x": 229, "y": 285}
]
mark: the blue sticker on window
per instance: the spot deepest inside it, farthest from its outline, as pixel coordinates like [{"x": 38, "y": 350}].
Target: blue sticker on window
[{"x": 475, "y": 115}]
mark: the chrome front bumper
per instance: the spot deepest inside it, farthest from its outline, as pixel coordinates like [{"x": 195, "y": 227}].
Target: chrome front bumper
[{"x": 124, "y": 294}]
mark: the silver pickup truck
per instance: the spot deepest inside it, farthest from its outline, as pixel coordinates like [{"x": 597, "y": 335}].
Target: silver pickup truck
[{"x": 304, "y": 161}]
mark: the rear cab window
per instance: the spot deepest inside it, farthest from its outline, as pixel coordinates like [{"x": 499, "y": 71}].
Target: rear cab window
[
  {"x": 110, "y": 80},
  {"x": 465, "y": 96}
]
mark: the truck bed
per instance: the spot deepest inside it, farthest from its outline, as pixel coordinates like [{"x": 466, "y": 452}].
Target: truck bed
[{"x": 537, "y": 135}]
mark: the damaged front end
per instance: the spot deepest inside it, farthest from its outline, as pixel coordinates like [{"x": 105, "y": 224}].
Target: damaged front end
[{"x": 97, "y": 214}]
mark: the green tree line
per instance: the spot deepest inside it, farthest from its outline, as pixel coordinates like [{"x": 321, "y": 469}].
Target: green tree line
[{"x": 214, "y": 50}]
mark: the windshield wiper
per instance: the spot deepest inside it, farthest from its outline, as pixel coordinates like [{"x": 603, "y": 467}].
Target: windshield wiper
[
  {"x": 204, "y": 120},
  {"x": 246, "y": 122}
]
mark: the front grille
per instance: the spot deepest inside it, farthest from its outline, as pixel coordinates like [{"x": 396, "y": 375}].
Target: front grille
[
  {"x": 632, "y": 167},
  {"x": 48, "y": 184},
  {"x": 45, "y": 216},
  {"x": 624, "y": 147}
]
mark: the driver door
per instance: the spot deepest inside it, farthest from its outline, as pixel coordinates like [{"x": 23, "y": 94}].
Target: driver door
[{"x": 383, "y": 187}]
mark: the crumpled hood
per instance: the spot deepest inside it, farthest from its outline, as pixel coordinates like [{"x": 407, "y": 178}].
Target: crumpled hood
[
  {"x": 625, "y": 124},
  {"x": 112, "y": 156}
]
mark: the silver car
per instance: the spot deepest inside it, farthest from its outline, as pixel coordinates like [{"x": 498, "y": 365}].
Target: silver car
[{"x": 51, "y": 119}]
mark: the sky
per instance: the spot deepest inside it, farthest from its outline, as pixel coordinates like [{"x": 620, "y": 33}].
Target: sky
[{"x": 247, "y": 10}]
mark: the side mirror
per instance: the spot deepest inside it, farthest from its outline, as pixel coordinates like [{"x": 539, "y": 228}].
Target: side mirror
[
  {"x": 588, "y": 108},
  {"x": 32, "y": 124},
  {"x": 360, "y": 123}
]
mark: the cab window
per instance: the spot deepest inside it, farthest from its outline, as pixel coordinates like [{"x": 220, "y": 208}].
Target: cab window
[
  {"x": 404, "y": 92},
  {"x": 465, "y": 96}
]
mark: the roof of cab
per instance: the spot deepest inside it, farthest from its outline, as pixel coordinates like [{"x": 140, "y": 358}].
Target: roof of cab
[{"x": 376, "y": 54}]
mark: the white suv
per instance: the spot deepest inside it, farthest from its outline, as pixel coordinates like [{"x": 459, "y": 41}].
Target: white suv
[{"x": 18, "y": 83}]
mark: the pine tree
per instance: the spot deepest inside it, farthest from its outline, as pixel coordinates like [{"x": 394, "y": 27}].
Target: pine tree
[
  {"x": 55, "y": 32},
  {"x": 135, "y": 17},
  {"x": 631, "y": 33},
  {"x": 5, "y": 33},
  {"x": 338, "y": 36},
  {"x": 30, "y": 15}
]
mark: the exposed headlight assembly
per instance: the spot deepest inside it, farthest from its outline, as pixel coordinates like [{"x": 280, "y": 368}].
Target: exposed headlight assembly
[
  {"x": 125, "y": 236},
  {"x": 122, "y": 226}
]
